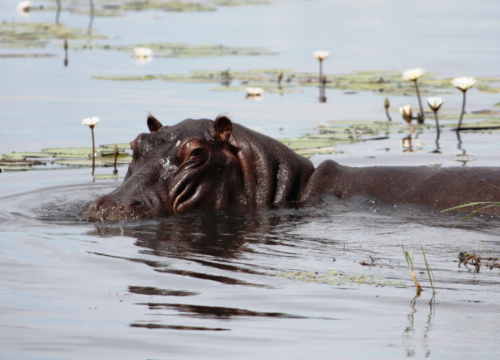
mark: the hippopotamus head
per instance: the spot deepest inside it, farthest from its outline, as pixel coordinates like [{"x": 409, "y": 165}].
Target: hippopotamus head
[{"x": 175, "y": 169}]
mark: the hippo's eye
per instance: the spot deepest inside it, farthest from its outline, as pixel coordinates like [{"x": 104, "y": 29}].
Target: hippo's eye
[{"x": 197, "y": 152}]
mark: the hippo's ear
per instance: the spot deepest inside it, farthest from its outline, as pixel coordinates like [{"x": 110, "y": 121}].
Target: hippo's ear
[
  {"x": 223, "y": 128},
  {"x": 153, "y": 124}
]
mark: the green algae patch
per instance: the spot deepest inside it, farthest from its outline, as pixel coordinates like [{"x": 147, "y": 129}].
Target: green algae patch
[
  {"x": 337, "y": 278},
  {"x": 107, "y": 177},
  {"x": 80, "y": 152},
  {"x": 33, "y": 56},
  {"x": 63, "y": 158},
  {"x": 383, "y": 82},
  {"x": 120, "y": 146},
  {"x": 102, "y": 162},
  {"x": 127, "y": 78},
  {"x": 269, "y": 88},
  {"x": 23, "y": 155},
  {"x": 24, "y": 34},
  {"x": 491, "y": 124},
  {"x": 180, "y": 50}
]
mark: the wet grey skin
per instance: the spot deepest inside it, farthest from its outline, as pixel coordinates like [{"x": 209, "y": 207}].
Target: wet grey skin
[{"x": 206, "y": 164}]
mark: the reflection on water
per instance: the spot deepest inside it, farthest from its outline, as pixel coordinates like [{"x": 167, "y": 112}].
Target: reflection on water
[
  {"x": 215, "y": 273},
  {"x": 409, "y": 334},
  {"x": 58, "y": 12}
]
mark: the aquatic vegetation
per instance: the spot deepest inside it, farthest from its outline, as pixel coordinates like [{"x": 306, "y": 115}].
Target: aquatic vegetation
[
  {"x": 142, "y": 52},
  {"x": 406, "y": 113},
  {"x": 23, "y": 34},
  {"x": 383, "y": 82},
  {"x": 430, "y": 274},
  {"x": 24, "y": 7},
  {"x": 320, "y": 56},
  {"x": 91, "y": 123},
  {"x": 463, "y": 83},
  {"x": 409, "y": 261},
  {"x": 435, "y": 104},
  {"x": 60, "y": 158},
  {"x": 386, "y": 106},
  {"x": 337, "y": 278},
  {"x": 253, "y": 91},
  {"x": 106, "y": 9},
  {"x": 414, "y": 75},
  {"x": 180, "y": 50},
  {"x": 483, "y": 205}
]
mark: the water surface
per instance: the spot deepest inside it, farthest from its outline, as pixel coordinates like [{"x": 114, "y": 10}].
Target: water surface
[{"x": 213, "y": 285}]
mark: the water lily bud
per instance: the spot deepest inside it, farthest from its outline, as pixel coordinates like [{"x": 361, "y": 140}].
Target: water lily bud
[
  {"x": 420, "y": 119},
  {"x": 406, "y": 113},
  {"x": 386, "y": 103}
]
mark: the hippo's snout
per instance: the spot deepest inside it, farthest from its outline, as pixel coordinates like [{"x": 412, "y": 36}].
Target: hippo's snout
[{"x": 105, "y": 208}]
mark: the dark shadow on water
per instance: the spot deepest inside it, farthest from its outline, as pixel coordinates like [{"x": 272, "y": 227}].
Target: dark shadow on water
[
  {"x": 175, "y": 327},
  {"x": 152, "y": 291},
  {"x": 216, "y": 312}
]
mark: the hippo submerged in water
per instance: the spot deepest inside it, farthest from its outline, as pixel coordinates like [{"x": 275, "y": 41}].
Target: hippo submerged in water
[{"x": 206, "y": 164}]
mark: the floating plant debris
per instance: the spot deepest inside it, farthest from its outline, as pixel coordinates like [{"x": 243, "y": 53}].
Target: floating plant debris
[
  {"x": 337, "y": 278},
  {"x": 24, "y": 34}
]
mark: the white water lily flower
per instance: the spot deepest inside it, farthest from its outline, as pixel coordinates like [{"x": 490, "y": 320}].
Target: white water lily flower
[
  {"x": 92, "y": 121},
  {"x": 24, "y": 7},
  {"x": 321, "y": 55},
  {"x": 254, "y": 91},
  {"x": 435, "y": 103},
  {"x": 413, "y": 74},
  {"x": 406, "y": 112},
  {"x": 142, "y": 52},
  {"x": 463, "y": 83}
]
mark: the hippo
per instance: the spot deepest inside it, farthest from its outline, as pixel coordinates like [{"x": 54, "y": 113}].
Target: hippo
[{"x": 212, "y": 164}]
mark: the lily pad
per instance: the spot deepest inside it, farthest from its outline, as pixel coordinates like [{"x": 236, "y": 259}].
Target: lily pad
[
  {"x": 107, "y": 177},
  {"x": 80, "y": 152},
  {"x": 101, "y": 162},
  {"x": 180, "y": 50},
  {"x": 121, "y": 146},
  {"x": 27, "y": 34},
  {"x": 15, "y": 56},
  {"x": 21, "y": 155}
]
